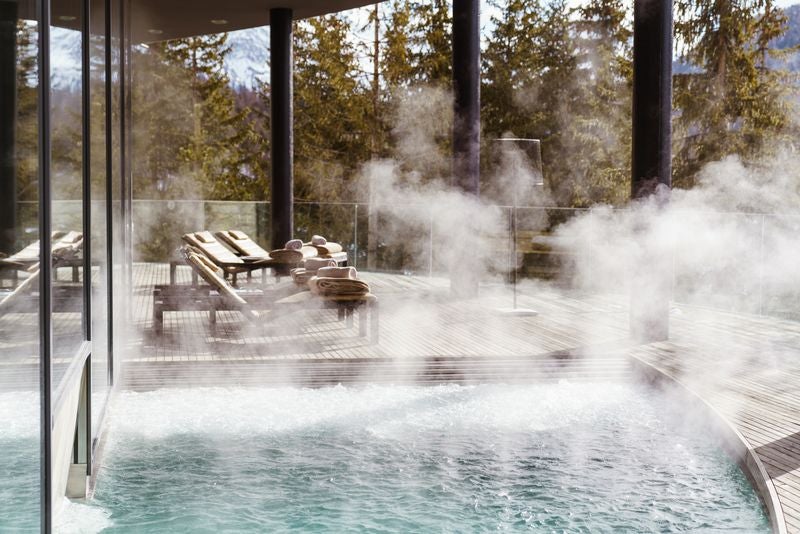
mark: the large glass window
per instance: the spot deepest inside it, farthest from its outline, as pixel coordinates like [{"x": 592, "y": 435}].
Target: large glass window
[
  {"x": 66, "y": 175},
  {"x": 120, "y": 189},
  {"x": 20, "y": 396},
  {"x": 100, "y": 278}
]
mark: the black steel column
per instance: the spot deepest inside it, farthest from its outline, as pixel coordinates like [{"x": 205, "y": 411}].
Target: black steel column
[
  {"x": 281, "y": 129},
  {"x": 86, "y": 108},
  {"x": 651, "y": 166},
  {"x": 466, "y": 127},
  {"x": 45, "y": 270},
  {"x": 8, "y": 123},
  {"x": 652, "y": 96},
  {"x": 466, "y": 92}
]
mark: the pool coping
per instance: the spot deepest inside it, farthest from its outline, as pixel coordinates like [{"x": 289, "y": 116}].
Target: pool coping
[{"x": 731, "y": 440}]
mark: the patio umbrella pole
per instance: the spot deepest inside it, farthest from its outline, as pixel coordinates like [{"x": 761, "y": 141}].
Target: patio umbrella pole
[
  {"x": 514, "y": 250},
  {"x": 514, "y": 310}
]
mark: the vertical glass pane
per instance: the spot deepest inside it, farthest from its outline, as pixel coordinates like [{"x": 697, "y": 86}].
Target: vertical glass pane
[
  {"x": 99, "y": 231},
  {"x": 20, "y": 397},
  {"x": 118, "y": 191},
  {"x": 66, "y": 171}
]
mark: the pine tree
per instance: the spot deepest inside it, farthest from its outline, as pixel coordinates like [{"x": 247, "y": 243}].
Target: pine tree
[
  {"x": 162, "y": 108},
  {"x": 598, "y": 132},
  {"x": 431, "y": 42},
  {"x": 332, "y": 128},
  {"x": 729, "y": 100},
  {"x": 219, "y": 130},
  {"x": 27, "y": 140},
  {"x": 555, "y": 95},
  {"x": 396, "y": 68},
  {"x": 512, "y": 65}
]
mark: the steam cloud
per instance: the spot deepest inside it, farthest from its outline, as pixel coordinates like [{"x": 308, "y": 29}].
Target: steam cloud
[{"x": 730, "y": 242}]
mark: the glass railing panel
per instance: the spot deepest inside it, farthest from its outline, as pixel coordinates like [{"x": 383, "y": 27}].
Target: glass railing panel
[
  {"x": 779, "y": 276},
  {"x": 159, "y": 225}
]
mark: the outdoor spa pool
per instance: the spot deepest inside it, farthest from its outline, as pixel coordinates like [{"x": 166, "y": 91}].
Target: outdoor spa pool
[{"x": 545, "y": 458}]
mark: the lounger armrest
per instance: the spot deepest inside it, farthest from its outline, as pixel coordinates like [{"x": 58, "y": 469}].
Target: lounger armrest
[
  {"x": 254, "y": 259},
  {"x": 224, "y": 264},
  {"x": 259, "y": 263},
  {"x": 17, "y": 266},
  {"x": 266, "y": 262}
]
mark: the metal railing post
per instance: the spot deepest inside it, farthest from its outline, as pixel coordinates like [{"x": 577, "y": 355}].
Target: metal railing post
[
  {"x": 761, "y": 268},
  {"x": 355, "y": 235},
  {"x": 430, "y": 247}
]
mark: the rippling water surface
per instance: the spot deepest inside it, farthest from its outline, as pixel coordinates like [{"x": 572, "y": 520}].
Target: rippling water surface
[
  {"x": 547, "y": 458},
  {"x": 19, "y": 461}
]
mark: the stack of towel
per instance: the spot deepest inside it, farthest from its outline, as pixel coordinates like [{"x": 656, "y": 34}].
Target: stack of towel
[
  {"x": 296, "y": 251},
  {"x": 338, "y": 282},
  {"x": 301, "y": 275},
  {"x": 329, "y": 250},
  {"x": 293, "y": 252}
]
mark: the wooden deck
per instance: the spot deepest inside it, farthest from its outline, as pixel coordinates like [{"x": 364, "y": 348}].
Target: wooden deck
[
  {"x": 418, "y": 320},
  {"x": 420, "y": 326}
]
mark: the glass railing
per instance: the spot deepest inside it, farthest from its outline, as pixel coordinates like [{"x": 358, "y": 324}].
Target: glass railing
[
  {"x": 379, "y": 239},
  {"x": 745, "y": 265}
]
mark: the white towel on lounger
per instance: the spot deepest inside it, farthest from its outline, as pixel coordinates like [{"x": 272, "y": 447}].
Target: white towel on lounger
[
  {"x": 338, "y": 272},
  {"x": 313, "y": 264},
  {"x": 294, "y": 244},
  {"x": 318, "y": 240}
]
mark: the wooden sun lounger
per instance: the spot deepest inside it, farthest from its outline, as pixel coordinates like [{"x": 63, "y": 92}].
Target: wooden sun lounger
[
  {"x": 174, "y": 298},
  {"x": 345, "y": 306},
  {"x": 29, "y": 255},
  {"x": 205, "y": 297},
  {"x": 8, "y": 298},
  {"x": 224, "y": 258},
  {"x": 220, "y": 295},
  {"x": 247, "y": 249},
  {"x": 241, "y": 243},
  {"x": 63, "y": 245},
  {"x": 24, "y": 298}
]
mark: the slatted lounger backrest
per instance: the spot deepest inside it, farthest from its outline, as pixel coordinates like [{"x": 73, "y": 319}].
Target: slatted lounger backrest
[{"x": 212, "y": 248}]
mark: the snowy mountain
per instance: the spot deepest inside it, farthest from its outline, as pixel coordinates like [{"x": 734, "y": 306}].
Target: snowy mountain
[{"x": 247, "y": 61}]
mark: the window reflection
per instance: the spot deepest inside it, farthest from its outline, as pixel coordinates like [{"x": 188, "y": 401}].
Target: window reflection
[
  {"x": 99, "y": 226},
  {"x": 66, "y": 172},
  {"x": 20, "y": 398}
]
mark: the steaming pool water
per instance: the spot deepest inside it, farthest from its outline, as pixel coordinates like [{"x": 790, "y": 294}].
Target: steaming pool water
[
  {"x": 19, "y": 463},
  {"x": 556, "y": 457}
]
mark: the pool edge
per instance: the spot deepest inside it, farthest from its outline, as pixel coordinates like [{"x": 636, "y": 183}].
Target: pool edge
[{"x": 732, "y": 441}]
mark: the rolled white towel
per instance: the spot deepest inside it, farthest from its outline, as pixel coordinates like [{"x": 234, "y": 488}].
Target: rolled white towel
[
  {"x": 313, "y": 264},
  {"x": 318, "y": 240},
  {"x": 338, "y": 272},
  {"x": 294, "y": 244}
]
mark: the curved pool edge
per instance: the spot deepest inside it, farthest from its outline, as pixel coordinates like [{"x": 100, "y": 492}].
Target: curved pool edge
[{"x": 731, "y": 440}]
